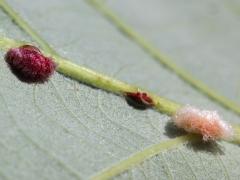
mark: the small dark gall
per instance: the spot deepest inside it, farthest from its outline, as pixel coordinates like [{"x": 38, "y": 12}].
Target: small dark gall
[{"x": 139, "y": 100}]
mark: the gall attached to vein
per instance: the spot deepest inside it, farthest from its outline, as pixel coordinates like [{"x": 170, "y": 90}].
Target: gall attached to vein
[
  {"x": 139, "y": 100},
  {"x": 29, "y": 64},
  {"x": 206, "y": 123}
]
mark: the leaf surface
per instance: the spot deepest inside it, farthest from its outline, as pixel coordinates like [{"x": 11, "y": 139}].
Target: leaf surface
[{"x": 67, "y": 130}]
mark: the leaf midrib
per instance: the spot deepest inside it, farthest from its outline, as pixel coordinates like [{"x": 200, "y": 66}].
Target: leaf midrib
[{"x": 148, "y": 152}]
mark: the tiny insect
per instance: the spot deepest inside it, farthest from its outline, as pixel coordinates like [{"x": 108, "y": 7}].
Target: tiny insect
[
  {"x": 29, "y": 64},
  {"x": 206, "y": 123},
  {"x": 139, "y": 100}
]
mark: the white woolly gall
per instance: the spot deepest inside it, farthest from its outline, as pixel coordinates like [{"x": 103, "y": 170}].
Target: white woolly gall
[{"x": 207, "y": 123}]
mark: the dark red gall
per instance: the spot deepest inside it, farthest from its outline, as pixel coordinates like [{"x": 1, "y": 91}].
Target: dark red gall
[
  {"x": 139, "y": 100},
  {"x": 29, "y": 64}
]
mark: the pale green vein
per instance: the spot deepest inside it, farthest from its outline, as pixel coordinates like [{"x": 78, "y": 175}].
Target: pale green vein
[
  {"x": 13, "y": 151},
  {"x": 66, "y": 108},
  {"x": 139, "y": 157},
  {"x": 38, "y": 108},
  {"x": 141, "y": 168},
  {"x": 79, "y": 138},
  {"x": 61, "y": 163},
  {"x": 149, "y": 152},
  {"x": 162, "y": 58},
  {"x": 102, "y": 81},
  {"x": 236, "y": 139},
  {"x": 74, "y": 116},
  {"x": 189, "y": 166},
  {"x": 226, "y": 174},
  {"x": 169, "y": 172},
  {"x": 119, "y": 124},
  {"x": 207, "y": 175},
  {"x": 57, "y": 123},
  {"x": 93, "y": 78},
  {"x": 126, "y": 149},
  {"x": 21, "y": 23},
  {"x": 6, "y": 149},
  {"x": 83, "y": 74},
  {"x": 130, "y": 176},
  {"x": 98, "y": 80},
  {"x": 70, "y": 69}
]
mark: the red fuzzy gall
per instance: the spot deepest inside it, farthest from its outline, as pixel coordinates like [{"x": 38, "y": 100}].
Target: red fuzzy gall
[
  {"x": 29, "y": 64},
  {"x": 139, "y": 100}
]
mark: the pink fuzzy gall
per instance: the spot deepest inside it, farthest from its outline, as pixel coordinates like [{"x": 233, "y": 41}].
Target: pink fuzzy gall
[
  {"x": 29, "y": 64},
  {"x": 207, "y": 123}
]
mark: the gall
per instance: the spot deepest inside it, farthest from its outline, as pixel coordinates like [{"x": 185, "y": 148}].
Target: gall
[
  {"x": 139, "y": 100},
  {"x": 29, "y": 64},
  {"x": 206, "y": 123}
]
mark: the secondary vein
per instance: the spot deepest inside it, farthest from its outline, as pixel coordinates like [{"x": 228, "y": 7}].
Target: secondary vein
[{"x": 162, "y": 58}]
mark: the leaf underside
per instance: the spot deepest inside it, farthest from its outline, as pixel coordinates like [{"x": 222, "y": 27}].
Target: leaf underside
[{"x": 67, "y": 130}]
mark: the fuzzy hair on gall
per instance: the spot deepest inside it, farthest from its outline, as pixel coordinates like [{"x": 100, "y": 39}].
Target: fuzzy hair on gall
[
  {"x": 29, "y": 64},
  {"x": 206, "y": 123}
]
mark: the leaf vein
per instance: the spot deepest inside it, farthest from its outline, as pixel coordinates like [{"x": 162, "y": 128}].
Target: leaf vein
[
  {"x": 162, "y": 58},
  {"x": 50, "y": 154}
]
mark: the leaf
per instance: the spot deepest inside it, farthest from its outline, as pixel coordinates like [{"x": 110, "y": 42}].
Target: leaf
[
  {"x": 195, "y": 34},
  {"x": 67, "y": 130}
]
